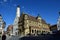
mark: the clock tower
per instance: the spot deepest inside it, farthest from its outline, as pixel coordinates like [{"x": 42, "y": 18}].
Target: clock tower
[
  {"x": 15, "y": 24},
  {"x": 18, "y": 11},
  {"x": 58, "y": 23}
]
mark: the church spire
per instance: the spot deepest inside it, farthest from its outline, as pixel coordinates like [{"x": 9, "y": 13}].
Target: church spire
[{"x": 18, "y": 11}]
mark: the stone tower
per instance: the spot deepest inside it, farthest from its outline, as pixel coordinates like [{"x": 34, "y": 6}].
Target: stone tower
[
  {"x": 18, "y": 11},
  {"x": 2, "y": 25},
  {"x": 15, "y": 24},
  {"x": 58, "y": 22}
]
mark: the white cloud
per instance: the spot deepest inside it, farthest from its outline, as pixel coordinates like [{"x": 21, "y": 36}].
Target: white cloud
[
  {"x": 5, "y": 0},
  {"x": 1, "y": 2}
]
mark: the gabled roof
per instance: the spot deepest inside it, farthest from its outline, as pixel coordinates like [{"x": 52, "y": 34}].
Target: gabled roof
[{"x": 33, "y": 18}]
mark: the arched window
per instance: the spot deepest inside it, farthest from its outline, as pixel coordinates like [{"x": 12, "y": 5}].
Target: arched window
[
  {"x": 35, "y": 31},
  {"x": 32, "y": 31}
]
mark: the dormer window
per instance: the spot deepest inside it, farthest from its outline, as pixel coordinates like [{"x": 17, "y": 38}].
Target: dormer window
[{"x": 26, "y": 16}]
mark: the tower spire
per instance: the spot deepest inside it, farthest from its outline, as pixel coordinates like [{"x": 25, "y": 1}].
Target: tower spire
[{"x": 18, "y": 11}]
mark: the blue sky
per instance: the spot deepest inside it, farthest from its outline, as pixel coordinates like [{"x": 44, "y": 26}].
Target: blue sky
[{"x": 48, "y": 9}]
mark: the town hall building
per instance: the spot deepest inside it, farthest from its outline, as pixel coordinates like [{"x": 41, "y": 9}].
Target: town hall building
[{"x": 26, "y": 24}]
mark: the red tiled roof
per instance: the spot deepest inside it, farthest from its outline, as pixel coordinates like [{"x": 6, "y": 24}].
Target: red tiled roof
[{"x": 33, "y": 18}]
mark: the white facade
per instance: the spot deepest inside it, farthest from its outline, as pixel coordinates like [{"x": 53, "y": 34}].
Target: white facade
[
  {"x": 15, "y": 25},
  {"x": 18, "y": 11},
  {"x": 1, "y": 25},
  {"x": 58, "y": 23}
]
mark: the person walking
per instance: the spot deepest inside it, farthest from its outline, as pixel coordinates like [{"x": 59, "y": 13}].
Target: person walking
[{"x": 3, "y": 37}]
